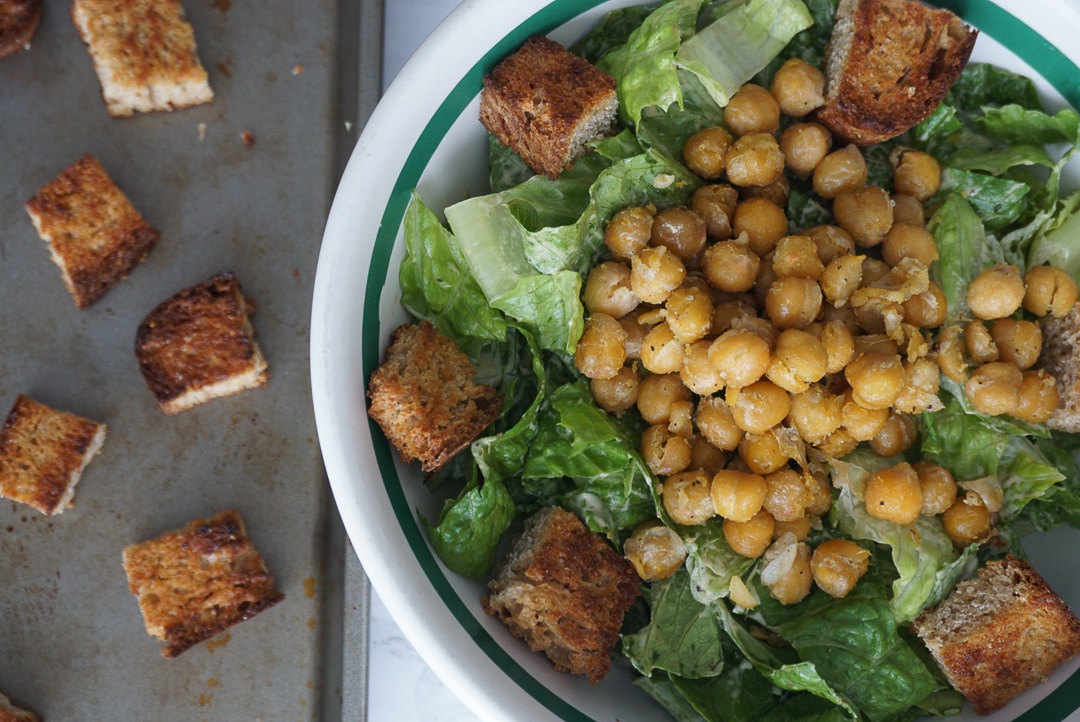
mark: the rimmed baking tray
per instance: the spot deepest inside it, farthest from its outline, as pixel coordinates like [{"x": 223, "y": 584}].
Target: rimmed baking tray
[{"x": 72, "y": 642}]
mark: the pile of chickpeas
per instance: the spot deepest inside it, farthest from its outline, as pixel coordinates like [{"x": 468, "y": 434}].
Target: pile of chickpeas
[{"x": 749, "y": 349}]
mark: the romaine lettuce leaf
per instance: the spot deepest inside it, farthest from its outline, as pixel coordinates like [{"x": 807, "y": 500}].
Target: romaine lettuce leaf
[
  {"x": 738, "y": 45},
  {"x": 711, "y": 561},
  {"x": 668, "y": 129},
  {"x": 612, "y": 31},
  {"x": 1018, "y": 126},
  {"x": 744, "y": 695},
  {"x": 471, "y": 526},
  {"x": 962, "y": 249},
  {"x": 982, "y": 84},
  {"x": 999, "y": 202},
  {"x": 683, "y": 636},
  {"x": 437, "y": 285}
]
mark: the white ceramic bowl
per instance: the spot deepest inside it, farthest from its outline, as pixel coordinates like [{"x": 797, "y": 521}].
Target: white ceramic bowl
[{"x": 425, "y": 134}]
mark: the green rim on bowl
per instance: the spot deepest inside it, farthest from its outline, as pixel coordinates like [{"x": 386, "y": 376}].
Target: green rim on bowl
[{"x": 999, "y": 24}]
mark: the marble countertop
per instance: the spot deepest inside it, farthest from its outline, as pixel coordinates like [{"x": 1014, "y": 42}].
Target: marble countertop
[{"x": 401, "y": 687}]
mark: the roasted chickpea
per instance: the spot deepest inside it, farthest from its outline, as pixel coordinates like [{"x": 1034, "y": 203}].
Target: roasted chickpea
[
  {"x": 821, "y": 489},
  {"x": 905, "y": 241},
  {"x": 1049, "y": 291},
  {"x": 706, "y": 457},
  {"x": 765, "y": 279},
  {"x": 686, "y": 498},
  {"x": 731, "y": 266},
  {"x": 716, "y": 423},
  {"x": 763, "y": 222},
  {"x": 996, "y": 292},
  {"x": 680, "y": 230},
  {"x": 704, "y": 152},
  {"x": 979, "y": 344},
  {"x": 1018, "y": 342},
  {"x": 950, "y": 354},
  {"x": 601, "y": 350},
  {"x": 762, "y": 453},
  {"x": 865, "y": 213},
  {"x": 724, "y": 315},
  {"x": 876, "y": 343},
  {"x": 737, "y": 495},
  {"x": 698, "y": 373},
  {"x": 715, "y": 204},
  {"x": 654, "y": 551},
  {"x": 754, "y": 160},
  {"x": 915, "y": 173},
  {"x": 895, "y": 495},
  {"x": 776, "y": 192},
  {"x": 752, "y": 109},
  {"x": 792, "y": 302},
  {"x": 926, "y": 309},
  {"x": 799, "y": 528},
  {"x": 862, "y": 424},
  {"x": 837, "y": 565},
  {"x": 635, "y": 333},
  {"x": 681, "y": 422},
  {"x": 1038, "y": 397},
  {"x": 841, "y": 171},
  {"x": 760, "y": 406},
  {"x": 689, "y": 313},
  {"x": 938, "y": 488},
  {"x": 740, "y": 356},
  {"x": 873, "y": 270},
  {"x": 629, "y": 231},
  {"x": 897, "y": 436},
  {"x": 794, "y": 583},
  {"x": 966, "y": 523},
  {"x": 832, "y": 242},
  {"x": 799, "y": 360},
  {"x": 798, "y": 87},
  {"x": 907, "y": 209},
  {"x": 657, "y": 393},
  {"x": 618, "y": 393},
  {"x": 750, "y": 538},
  {"x": 994, "y": 388},
  {"x": 655, "y": 273},
  {"x": 839, "y": 345},
  {"x": 664, "y": 452},
  {"x": 761, "y": 326},
  {"x": 876, "y": 380},
  {"x": 922, "y": 379},
  {"x": 607, "y": 290},
  {"x": 841, "y": 278},
  {"x": 797, "y": 256},
  {"x": 816, "y": 413},
  {"x": 661, "y": 352},
  {"x": 838, "y": 444}
]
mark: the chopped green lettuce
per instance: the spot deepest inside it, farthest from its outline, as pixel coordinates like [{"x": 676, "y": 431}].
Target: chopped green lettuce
[
  {"x": 471, "y": 526},
  {"x": 711, "y": 561}
]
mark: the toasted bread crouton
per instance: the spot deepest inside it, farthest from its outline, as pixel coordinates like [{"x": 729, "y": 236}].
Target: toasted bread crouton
[
  {"x": 564, "y": 591},
  {"x": 144, "y": 54},
  {"x": 196, "y": 582},
  {"x": 546, "y": 103},
  {"x": 424, "y": 399},
  {"x": 43, "y": 453},
  {"x": 8, "y": 711},
  {"x": 19, "y": 20},
  {"x": 1061, "y": 358},
  {"x": 95, "y": 235},
  {"x": 199, "y": 345},
  {"x": 888, "y": 65},
  {"x": 1000, "y": 633}
]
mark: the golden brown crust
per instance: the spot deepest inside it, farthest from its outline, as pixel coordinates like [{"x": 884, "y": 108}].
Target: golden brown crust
[
  {"x": 42, "y": 454},
  {"x": 901, "y": 58},
  {"x": 144, "y": 54},
  {"x": 565, "y": 591},
  {"x": 196, "y": 582},
  {"x": 94, "y": 233},
  {"x": 194, "y": 344},
  {"x": 19, "y": 20},
  {"x": 424, "y": 399},
  {"x": 1061, "y": 359},
  {"x": 999, "y": 634},
  {"x": 9, "y": 712},
  {"x": 545, "y": 102}
]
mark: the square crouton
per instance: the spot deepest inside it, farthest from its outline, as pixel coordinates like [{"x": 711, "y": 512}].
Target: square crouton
[
  {"x": 94, "y": 233},
  {"x": 196, "y": 582},
  {"x": 144, "y": 54},
  {"x": 424, "y": 399},
  {"x": 10, "y": 713},
  {"x": 546, "y": 103},
  {"x": 565, "y": 591},
  {"x": 1000, "y": 633},
  {"x": 199, "y": 345},
  {"x": 43, "y": 453}
]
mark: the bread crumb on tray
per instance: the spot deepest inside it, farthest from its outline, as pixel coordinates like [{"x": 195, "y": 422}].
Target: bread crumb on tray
[
  {"x": 199, "y": 345},
  {"x": 94, "y": 234},
  {"x": 43, "y": 453},
  {"x": 9, "y": 712},
  {"x": 194, "y": 583}
]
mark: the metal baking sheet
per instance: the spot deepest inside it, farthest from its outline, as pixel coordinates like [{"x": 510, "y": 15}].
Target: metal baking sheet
[{"x": 72, "y": 642}]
